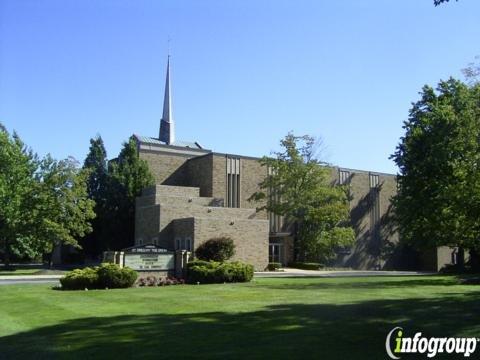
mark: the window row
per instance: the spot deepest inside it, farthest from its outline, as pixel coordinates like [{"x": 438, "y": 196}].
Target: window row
[
  {"x": 344, "y": 177},
  {"x": 185, "y": 243},
  {"x": 233, "y": 182}
]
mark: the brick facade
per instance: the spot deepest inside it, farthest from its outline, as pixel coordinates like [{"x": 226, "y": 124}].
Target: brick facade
[
  {"x": 249, "y": 236},
  {"x": 166, "y": 214},
  {"x": 199, "y": 188}
]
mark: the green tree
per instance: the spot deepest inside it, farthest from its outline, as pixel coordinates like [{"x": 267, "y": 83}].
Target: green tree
[
  {"x": 17, "y": 169},
  {"x": 128, "y": 175},
  {"x": 62, "y": 208},
  {"x": 96, "y": 166},
  {"x": 42, "y": 203},
  {"x": 299, "y": 188},
  {"x": 96, "y": 163},
  {"x": 438, "y": 200}
]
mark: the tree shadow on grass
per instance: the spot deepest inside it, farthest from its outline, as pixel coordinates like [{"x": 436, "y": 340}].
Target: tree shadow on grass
[{"x": 290, "y": 331}]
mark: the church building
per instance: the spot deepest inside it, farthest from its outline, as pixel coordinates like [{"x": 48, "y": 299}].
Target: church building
[{"x": 202, "y": 194}]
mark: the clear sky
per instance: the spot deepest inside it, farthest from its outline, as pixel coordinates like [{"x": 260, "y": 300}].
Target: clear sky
[{"x": 244, "y": 72}]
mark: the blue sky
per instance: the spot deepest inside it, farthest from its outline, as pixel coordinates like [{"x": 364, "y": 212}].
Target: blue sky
[{"x": 244, "y": 72}]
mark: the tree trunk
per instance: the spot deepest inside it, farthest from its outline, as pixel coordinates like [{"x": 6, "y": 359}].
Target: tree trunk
[
  {"x": 474, "y": 260},
  {"x": 299, "y": 249},
  {"x": 461, "y": 258},
  {"x": 6, "y": 254}
]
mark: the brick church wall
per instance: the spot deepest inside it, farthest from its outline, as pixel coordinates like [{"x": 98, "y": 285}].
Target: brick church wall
[{"x": 249, "y": 236}]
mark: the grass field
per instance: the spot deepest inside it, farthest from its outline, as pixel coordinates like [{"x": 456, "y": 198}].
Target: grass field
[{"x": 336, "y": 318}]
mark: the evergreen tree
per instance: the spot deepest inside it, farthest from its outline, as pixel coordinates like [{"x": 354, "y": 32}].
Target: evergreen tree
[
  {"x": 128, "y": 175},
  {"x": 96, "y": 166}
]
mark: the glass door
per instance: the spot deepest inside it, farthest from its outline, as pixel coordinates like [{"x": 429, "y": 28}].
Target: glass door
[{"x": 275, "y": 253}]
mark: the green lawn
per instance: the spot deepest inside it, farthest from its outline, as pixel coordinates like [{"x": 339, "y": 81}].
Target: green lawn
[{"x": 341, "y": 318}]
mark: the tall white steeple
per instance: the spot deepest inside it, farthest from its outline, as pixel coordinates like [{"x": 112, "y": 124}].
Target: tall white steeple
[{"x": 167, "y": 125}]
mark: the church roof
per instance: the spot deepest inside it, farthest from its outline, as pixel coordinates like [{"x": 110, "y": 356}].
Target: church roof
[{"x": 179, "y": 143}]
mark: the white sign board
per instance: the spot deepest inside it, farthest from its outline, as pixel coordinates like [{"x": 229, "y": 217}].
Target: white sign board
[{"x": 152, "y": 262}]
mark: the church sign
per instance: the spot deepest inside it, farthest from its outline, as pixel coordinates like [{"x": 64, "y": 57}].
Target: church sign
[{"x": 149, "y": 258}]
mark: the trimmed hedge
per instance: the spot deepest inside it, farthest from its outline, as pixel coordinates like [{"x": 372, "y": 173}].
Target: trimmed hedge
[
  {"x": 113, "y": 277},
  {"x": 213, "y": 272},
  {"x": 273, "y": 266},
  {"x": 217, "y": 249},
  {"x": 80, "y": 279},
  {"x": 306, "y": 265},
  {"x": 105, "y": 276}
]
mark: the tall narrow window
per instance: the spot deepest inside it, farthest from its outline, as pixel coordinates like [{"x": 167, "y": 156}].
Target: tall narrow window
[
  {"x": 374, "y": 207},
  {"x": 276, "y": 221},
  {"x": 343, "y": 177},
  {"x": 233, "y": 182},
  {"x": 373, "y": 181}
]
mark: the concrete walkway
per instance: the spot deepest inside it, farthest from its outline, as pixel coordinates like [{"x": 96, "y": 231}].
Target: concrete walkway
[{"x": 288, "y": 272}]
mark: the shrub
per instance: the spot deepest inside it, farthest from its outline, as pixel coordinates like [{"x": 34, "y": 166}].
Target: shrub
[
  {"x": 457, "y": 269},
  {"x": 273, "y": 266},
  {"x": 142, "y": 282},
  {"x": 106, "y": 276},
  {"x": 113, "y": 277},
  {"x": 147, "y": 281},
  {"x": 307, "y": 265},
  {"x": 197, "y": 262},
  {"x": 80, "y": 279},
  {"x": 163, "y": 281},
  {"x": 170, "y": 280},
  {"x": 217, "y": 272},
  {"x": 217, "y": 249}
]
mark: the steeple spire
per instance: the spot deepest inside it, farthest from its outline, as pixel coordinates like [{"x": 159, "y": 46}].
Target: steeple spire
[{"x": 167, "y": 125}]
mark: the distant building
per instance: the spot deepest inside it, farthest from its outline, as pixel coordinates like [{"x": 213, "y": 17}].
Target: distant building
[{"x": 202, "y": 194}]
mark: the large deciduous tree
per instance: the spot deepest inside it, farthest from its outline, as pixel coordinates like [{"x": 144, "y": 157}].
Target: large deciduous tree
[
  {"x": 43, "y": 203},
  {"x": 299, "y": 188},
  {"x": 438, "y": 200},
  {"x": 62, "y": 207},
  {"x": 17, "y": 169}
]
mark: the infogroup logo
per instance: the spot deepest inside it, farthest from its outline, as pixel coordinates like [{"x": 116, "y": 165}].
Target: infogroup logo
[{"x": 430, "y": 346}]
